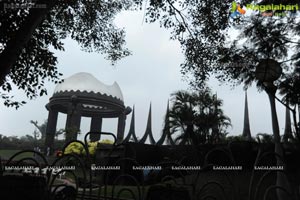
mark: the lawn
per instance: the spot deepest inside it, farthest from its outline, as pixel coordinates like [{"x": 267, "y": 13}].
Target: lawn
[{"x": 6, "y": 154}]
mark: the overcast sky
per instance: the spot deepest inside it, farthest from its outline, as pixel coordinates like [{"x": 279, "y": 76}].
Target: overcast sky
[{"x": 151, "y": 74}]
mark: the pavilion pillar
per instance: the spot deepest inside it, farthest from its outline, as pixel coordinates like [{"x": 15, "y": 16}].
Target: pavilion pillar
[
  {"x": 73, "y": 122},
  {"x": 121, "y": 127},
  {"x": 96, "y": 126},
  {"x": 50, "y": 131}
]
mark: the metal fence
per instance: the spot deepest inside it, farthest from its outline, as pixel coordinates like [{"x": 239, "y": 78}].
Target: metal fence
[{"x": 80, "y": 177}]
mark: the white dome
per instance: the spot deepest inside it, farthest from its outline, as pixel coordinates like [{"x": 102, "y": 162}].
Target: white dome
[{"x": 85, "y": 82}]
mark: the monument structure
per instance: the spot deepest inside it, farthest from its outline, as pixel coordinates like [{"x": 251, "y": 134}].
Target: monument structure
[{"x": 82, "y": 95}]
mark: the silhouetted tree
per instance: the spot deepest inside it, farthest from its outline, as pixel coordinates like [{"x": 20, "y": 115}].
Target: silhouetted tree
[
  {"x": 197, "y": 117},
  {"x": 203, "y": 29},
  {"x": 290, "y": 89},
  {"x": 29, "y": 35},
  {"x": 42, "y": 130}
]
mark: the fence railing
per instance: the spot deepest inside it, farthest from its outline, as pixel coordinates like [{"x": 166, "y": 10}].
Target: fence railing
[{"x": 31, "y": 175}]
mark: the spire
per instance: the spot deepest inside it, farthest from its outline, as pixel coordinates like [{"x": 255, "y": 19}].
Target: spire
[
  {"x": 166, "y": 131},
  {"x": 287, "y": 130},
  {"x": 131, "y": 133},
  {"x": 246, "y": 130},
  {"x": 148, "y": 131},
  {"x": 215, "y": 128}
]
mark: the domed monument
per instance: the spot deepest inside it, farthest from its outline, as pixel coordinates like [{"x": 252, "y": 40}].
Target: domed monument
[{"x": 82, "y": 95}]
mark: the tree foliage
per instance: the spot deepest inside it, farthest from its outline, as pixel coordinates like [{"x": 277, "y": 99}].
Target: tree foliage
[
  {"x": 42, "y": 128},
  {"x": 198, "y": 26},
  {"x": 30, "y": 34},
  {"x": 204, "y": 30},
  {"x": 197, "y": 117},
  {"x": 290, "y": 88},
  {"x": 25, "y": 142},
  {"x": 230, "y": 50},
  {"x": 202, "y": 27}
]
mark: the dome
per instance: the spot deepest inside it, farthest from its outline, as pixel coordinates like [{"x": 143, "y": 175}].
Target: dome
[{"x": 85, "y": 82}]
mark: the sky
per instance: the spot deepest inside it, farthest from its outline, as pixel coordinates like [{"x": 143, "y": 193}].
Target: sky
[{"x": 150, "y": 74}]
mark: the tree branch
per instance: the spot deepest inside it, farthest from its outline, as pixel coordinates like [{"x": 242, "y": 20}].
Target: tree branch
[
  {"x": 18, "y": 41},
  {"x": 181, "y": 16}
]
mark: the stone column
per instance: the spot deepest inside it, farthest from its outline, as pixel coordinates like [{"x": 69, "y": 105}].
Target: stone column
[
  {"x": 50, "y": 130},
  {"x": 73, "y": 121},
  {"x": 96, "y": 126},
  {"x": 121, "y": 128}
]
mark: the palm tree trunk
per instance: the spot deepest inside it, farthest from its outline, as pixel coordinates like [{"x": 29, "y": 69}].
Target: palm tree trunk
[
  {"x": 281, "y": 180},
  {"x": 296, "y": 123},
  {"x": 191, "y": 134}
]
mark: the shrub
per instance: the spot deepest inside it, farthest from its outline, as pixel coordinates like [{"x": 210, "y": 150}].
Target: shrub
[{"x": 77, "y": 148}]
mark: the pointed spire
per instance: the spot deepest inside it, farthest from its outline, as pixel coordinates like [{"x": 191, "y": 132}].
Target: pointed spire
[
  {"x": 148, "y": 131},
  {"x": 215, "y": 128},
  {"x": 246, "y": 130},
  {"x": 131, "y": 133},
  {"x": 166, "y": 135},
  {"x": 287, "y": 130}
]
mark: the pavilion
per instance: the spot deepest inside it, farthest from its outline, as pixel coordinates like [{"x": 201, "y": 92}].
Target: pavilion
[{"x": 82, "y": 95}]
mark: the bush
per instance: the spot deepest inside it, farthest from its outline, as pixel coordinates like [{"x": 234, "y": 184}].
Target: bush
[{"x": 77, "y": 148}]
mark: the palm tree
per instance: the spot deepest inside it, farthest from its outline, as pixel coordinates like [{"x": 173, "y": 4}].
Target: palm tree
[
  {"x": 290, "y": 89},
  {"x": 197, "y": 117},
  {"x": 182, "y": 116}
]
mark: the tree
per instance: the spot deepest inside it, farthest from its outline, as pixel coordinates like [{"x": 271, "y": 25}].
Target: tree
[
  {"x": 203, "y": 29},
  {"x": 264, "y": 138},
  {"x": 30, "y": 30},
  {"x": 182, "y": 116},
  {"x": 42, "y": 130},
  {"x": 28, "y": 139},
  {"x": 197, "y": 117},
  {"x": 290, "y": 89},
  {"x": 198, "y": 26}
]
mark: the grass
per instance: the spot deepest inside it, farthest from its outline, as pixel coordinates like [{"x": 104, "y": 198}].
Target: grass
[{"x": 6, "y": 154}]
